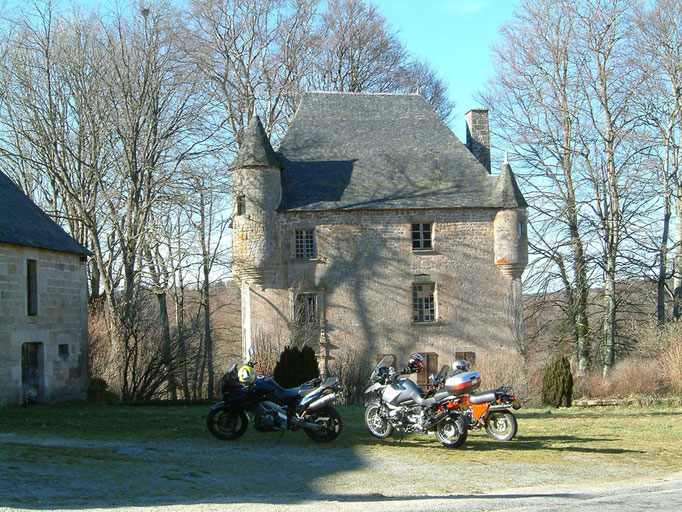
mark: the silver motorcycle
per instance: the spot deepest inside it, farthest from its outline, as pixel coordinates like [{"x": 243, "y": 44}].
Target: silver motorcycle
[{"x": 395, "y": 402}]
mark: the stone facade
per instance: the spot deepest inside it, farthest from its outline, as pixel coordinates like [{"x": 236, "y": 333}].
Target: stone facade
[
  {"x": 324, "y": 238},
  {"x": 52, "y": 342},
  {"x": 363, "y": 275}
]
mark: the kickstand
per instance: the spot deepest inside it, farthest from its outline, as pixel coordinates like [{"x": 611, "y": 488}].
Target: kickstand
[
  {"x": 279, "y": 438},
  {"x": 403, "y": 436}
]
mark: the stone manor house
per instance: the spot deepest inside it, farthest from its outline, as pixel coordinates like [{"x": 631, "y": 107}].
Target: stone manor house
[
  {"x": 372, "y": 228},
  {"x": 43, "y": 305}
]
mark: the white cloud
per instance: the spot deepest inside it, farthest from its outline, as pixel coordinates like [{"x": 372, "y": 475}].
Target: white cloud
[{"x": 466, "y": 6}]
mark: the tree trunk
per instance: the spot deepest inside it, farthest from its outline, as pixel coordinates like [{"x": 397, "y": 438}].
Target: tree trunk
[{"x": 166, "y": 344}]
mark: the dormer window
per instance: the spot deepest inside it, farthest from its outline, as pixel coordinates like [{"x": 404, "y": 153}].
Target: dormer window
[
  {"x": 241, "y": 204},
  {"x": 421, "y": 236},
  {"x": 305, "y": 244}
]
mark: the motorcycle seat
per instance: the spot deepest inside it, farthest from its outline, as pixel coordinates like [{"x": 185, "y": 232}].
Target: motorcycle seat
[{"x": 485, "y": 396}]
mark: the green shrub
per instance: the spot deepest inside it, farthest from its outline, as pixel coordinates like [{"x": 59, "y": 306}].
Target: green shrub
[
  {"x": 557, "y": 384},
  {"x": 295, "y": 366},
  {"x": 97, "y": 390}
]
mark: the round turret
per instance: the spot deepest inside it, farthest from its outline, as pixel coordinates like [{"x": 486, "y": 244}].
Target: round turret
[
  {"x": 257, "y": 192},
  {"x": 510, "y": 225},
  {"x": 511, "y": 241}
]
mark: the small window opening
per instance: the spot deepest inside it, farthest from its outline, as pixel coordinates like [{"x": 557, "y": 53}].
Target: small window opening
[
  {"x": 241, "y": 204},
  {"x": 305, "y": 244},
  {"x": 522, "y": 230},
  {"x": 423, "y": 303},
  {"x": 63, "y": 350},
  {"x": 32, "y": 287},
  {"x": 421, "y": 236}
]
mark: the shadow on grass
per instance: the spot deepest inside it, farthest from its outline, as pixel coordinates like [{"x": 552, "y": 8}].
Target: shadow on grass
[{"x": 87, "y": 456}]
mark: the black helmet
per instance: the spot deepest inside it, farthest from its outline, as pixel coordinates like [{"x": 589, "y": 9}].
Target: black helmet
[{"x": 416, "y": 362}]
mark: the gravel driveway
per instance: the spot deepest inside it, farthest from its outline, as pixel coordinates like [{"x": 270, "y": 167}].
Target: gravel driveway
[{"x": 184, "y": 475}]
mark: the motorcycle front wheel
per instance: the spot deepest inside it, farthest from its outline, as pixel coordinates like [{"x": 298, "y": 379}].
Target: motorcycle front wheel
[
  {"x": 378, "y": 425},
  {"x": 330, "y": 421},
  {"x": 227, "y": 423},
  {"x": 452, "y": 431},
  {"x": 501, "y": 425}
]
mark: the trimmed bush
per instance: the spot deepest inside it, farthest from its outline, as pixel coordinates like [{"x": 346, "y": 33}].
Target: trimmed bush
[
  {"x": 557, "y": 384},
  {"x": 296, "y": 366}
]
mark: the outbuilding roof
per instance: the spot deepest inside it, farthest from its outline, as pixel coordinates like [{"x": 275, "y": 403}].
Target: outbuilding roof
[
  {"x": 24, "y": 223},
  {"x": 377, "y": 151}
]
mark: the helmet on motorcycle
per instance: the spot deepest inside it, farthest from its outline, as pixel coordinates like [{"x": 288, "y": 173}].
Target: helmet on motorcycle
[
  {"x": 247, "y": 375},
  {"x": 460, "y": 364},
  {"x": 416, "y": 362}
]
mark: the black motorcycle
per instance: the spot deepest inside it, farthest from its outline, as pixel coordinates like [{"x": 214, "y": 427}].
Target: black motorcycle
[
  {"x": 274, "y": 408},
  {"x": 395, "y": 402}
]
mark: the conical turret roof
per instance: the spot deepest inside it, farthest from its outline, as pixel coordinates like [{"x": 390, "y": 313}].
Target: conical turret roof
[
  {"x": 255, "y": 149},
  {"x": 506, "y": 193}
]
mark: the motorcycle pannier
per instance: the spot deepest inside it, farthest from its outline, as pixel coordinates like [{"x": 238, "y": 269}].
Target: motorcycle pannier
[{"x": 462, "y": 383}]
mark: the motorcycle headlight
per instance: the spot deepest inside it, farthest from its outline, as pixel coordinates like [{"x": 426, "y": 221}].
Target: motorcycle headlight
[{"x": 516, "y": 405}]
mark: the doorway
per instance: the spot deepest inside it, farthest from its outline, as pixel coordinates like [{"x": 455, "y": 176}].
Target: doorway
[{"x": 31, "y": 372}]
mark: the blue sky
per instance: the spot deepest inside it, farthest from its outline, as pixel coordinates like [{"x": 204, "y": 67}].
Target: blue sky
[{"x": 455, "y": 36}]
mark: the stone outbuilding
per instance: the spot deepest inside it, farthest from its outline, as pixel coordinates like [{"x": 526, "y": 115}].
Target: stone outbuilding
[
  {"x": 373, "y": 229},
  {"x": 43, "y": 305}
]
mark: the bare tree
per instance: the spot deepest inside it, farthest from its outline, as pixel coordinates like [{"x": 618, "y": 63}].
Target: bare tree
[
  {"x": 535, "y": 105},
  {"x": 659, "y": 39}
]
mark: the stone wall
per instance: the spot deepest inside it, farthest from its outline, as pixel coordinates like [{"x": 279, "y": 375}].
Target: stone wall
[
  {"x": 363, "y": 275},
  {"x": 61, "y": 320}
]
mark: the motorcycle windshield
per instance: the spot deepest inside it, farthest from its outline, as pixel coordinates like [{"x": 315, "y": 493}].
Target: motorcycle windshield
[
  {"x": 443, "y": 372},
  {"x": 386, "y": 362},
  {"x": 233, "y": 366}
]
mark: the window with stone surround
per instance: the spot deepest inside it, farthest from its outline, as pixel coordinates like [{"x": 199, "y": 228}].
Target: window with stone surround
[
  {"x": 304, "y": 244},
  {"x": 305, "y": 309},
  {"x": 421, "y": 236},
  {"x": 423, "y": 302},
  {"x": 31, "y": 287}
]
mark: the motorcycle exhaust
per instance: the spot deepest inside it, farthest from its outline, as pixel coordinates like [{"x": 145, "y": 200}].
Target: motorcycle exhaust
[
  {"x": 322, "y": 401},
  {"x": 436, "y": 419},
  {"x": 499, "y": 407}
]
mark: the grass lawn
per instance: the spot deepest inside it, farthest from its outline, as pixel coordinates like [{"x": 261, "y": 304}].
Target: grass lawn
[{"x": 128, "y": 456}]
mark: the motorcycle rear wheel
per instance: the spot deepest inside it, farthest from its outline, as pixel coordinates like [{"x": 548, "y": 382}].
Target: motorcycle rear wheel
[
  {"x": 227, "y": 423},
  {"x": 378, "y": 425},
  {"x": 452, "y": 431},
  {"x": 328, "y": 418},
  {"x": 501, "y": 425}
]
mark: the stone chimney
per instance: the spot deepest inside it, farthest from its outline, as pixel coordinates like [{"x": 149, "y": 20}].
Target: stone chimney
[{"x": 478, "y": 135}]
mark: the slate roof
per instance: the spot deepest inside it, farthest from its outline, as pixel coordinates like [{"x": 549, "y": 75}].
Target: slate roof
[
  {"x": 23, "y": 223},
  {"x": 255, "y": 149},
  {"x": 507, "y": 193},
  {"x": 376, "y": 151}
]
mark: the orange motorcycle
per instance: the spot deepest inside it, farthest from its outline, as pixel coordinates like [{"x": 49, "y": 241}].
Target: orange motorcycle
[{"x": 489, "y": 410}]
